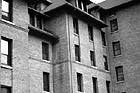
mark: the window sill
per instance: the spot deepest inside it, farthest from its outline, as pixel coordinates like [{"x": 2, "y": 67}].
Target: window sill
[
  {"x": 118, "y": 82},
  {"x": 76, "y": 34},
  {"x": 46, "y": 61},
  {"x": 94, "y": 67},
  {"x": 104, "y": 46},
  {"x": 114, "y": 32},
  {"x": 117, "y": 56},
  {"x": 45, "y": 92},
  {"x": 8, "y": 22},
  {"x": 107, "y": 71},
  {"x": 6, "y": 66},
  {"x": 91, "y": 41}
]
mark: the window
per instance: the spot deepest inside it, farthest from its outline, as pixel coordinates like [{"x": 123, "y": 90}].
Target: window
[
  {"x": 79, "y": 82},
  {"x": 119, "y": 73},
  {"x": 82, "y": 5},
  {"x": 95, "y": 86},
  {"x": 108, "y": 86},
  {"x": 105, "y": 63},
  {"x": 116, "y": 48},
  {"x": 7, "y": 10},
  {"x": 114, "y": 25},
  {"x": 46, "y": 81},
  {"x": 77, "y": 53},
  {"x": 32, "y": 19},
  {"x": 92, "y": 58},
  {"x": 5, "y": 89},
  {"x": 103, "y": 38},
  {"x": 39, "y": 22},
  {"x": 75, "y": 26},
  {"x": 45, "y": 51},
  {"x": 6, "y": 51},
  {"x": 90, "y": 32}
]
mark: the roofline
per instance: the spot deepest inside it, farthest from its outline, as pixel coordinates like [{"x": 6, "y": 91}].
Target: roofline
[{"x": 66, "y": 4}]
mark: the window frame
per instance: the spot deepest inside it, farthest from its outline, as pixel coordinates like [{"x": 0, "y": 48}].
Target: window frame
[
  {"x": 114, "y": 25},
  {"x": 95, "y": 85},
  {"x": 46, "y": 81},
  {"x": 90, "y": 32},
  {"x": 79, "y": 82},
  {"x": 75, "y": 26},
  {"x": 92, "y": 58},
  {"x": 108, "y": 86},
  {"x": 45, "y": 46},
  {"x": 106, "y": 63},
  {"x": 117, "y": 51},
  {"x": 9, "y": 88},
  {"x": 77, "y": 53},
  {"x": 119, "y": 75},
  {"x": 10, "y": 10},
  {"x": 103, "y": 38},
  {"x": 9, "y": 55},
  {"x": 82, "y": 5}
]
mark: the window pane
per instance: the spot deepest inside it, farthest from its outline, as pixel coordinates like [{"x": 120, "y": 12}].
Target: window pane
[
  {"x": 5, "y": 6},
  {"x": 90, "y": 31},
  {"x": 92, "y": 58},
  {"x": 79, "y": 82},
  {"x": 4, "y": 47},
  {"x": 114, "y": 25},
  {"x": 4, "y": 59},
  {"x": 77, "y": 53},
  {"x": 45, "y": 51},
  {"x": 119, "y": 73},
  {"x": 95, "y": 87},
  {"x": 46, "y": 81},
  {"x": 75, "y": 26}
]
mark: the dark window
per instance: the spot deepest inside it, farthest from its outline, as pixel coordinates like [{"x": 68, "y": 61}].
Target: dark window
[
  {"x": 103, "y": 38},
  {"x": 82, "y": 5},
  {"x": 5, "y": 89},
  {"x": 114, "y": 25},
  {"x": 77, "y": 53},
  {"x": 6, "y": 51},
  {"x": 90, "y": 32},
  {"x": 116, "y": 48},
  {"x": 105, "y": 63},
  {"x": 7, "y": 10},
  {"x": 75, "y": 25},
  {"x": 95, "y": 86},
  {"x": 108, "y": 86},
  {"x": 45, "y": 51},
  {"x": 92, "y": 58},
  {"x": 32, "y": 19},
  {"x": 79, "y": 82},
  {"x": 119, "y": 73},
  {"x": 46, "y": 81},
  {"x": 39, "y": 22}
]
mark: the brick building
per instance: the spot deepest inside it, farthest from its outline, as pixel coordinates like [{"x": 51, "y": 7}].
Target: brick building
[{"x": 65, "y": 46}]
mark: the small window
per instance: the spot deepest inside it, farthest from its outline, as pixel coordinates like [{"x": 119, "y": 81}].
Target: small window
[
  {"x": 90, "y": 32},
  {"x": 116, "y": 48},
  {"x": 108, "y": 86},
  {"x": 6, "y": 51},
  {"x": 105, "y": 63},
  {"x": 119, "y": 73},
  {"x": 75, "y": 26},
  {"x": 114, "y": 25},
  {"x": 5, "y": 89},
  {"x": 39, "y": 22},
  {"x": 77, "y": 53},
  {"x": 45, "y": 51},
  {"x": 82, "y": 5},
  {"x": 46, "y": 81},
  {"x": 95, "y": 85},
  {"x": 79, "y": 82},
  {"x": 103, "y": 38},
  {"x": 92, "y": 58},
  {"x": 32, "y": 19},
  {"x": 7, "y": 10}
]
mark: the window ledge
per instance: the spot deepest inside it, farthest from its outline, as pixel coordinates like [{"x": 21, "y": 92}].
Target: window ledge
[
  {"x": 118, "y": 82},
  {"x": 6, "y": 66},
  {"x": 117, "y": 56},
  {"x": 107, "y": 71},
  {"x": 8, "y": 22},
  {"x": 91, "y": 41},
  {"x": 45, "y": 92},
  {"x": 94, "y": 67},
  {"x": 76, "y": 34},
  {"x": 115, "y": 32},
  {"x": 46, "y": 61},
  {"x": 104, "y": 46}
]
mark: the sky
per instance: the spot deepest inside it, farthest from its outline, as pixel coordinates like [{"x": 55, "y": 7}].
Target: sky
[{"x": 97, "y": 1}]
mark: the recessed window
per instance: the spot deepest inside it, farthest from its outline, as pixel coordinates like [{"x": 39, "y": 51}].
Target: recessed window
[
  {"x": 5, "y": 89},
  {"x": 95, "y": 85},
  {"x": 6, "y": 51},
  {"x": 39, "y": 22},
  {"x": 45, "y": 51},
  {"x": 105, "y": 63},
  {"x": 92, "y": 58},
  {"x": 7, "y": 10},
  {"x": 90, "y": 32},
  {"x": 79, "y": 82},
  {"x": 114, "y": 25},
  {"x": 119, "y": 73},
  {"x": 103, "y": 38},
  {"x": 116, "y": 48},
  {"x": 82, "y": 5},
  {"x": 108, "y": 86},
  {"x": 46, "y": 81},
  {"x": 77, "y": 53},
  {"x": 75, "y": 26}
]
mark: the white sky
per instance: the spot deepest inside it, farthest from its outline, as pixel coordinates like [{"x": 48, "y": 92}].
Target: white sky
[{"x": 97, "y": 1}]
